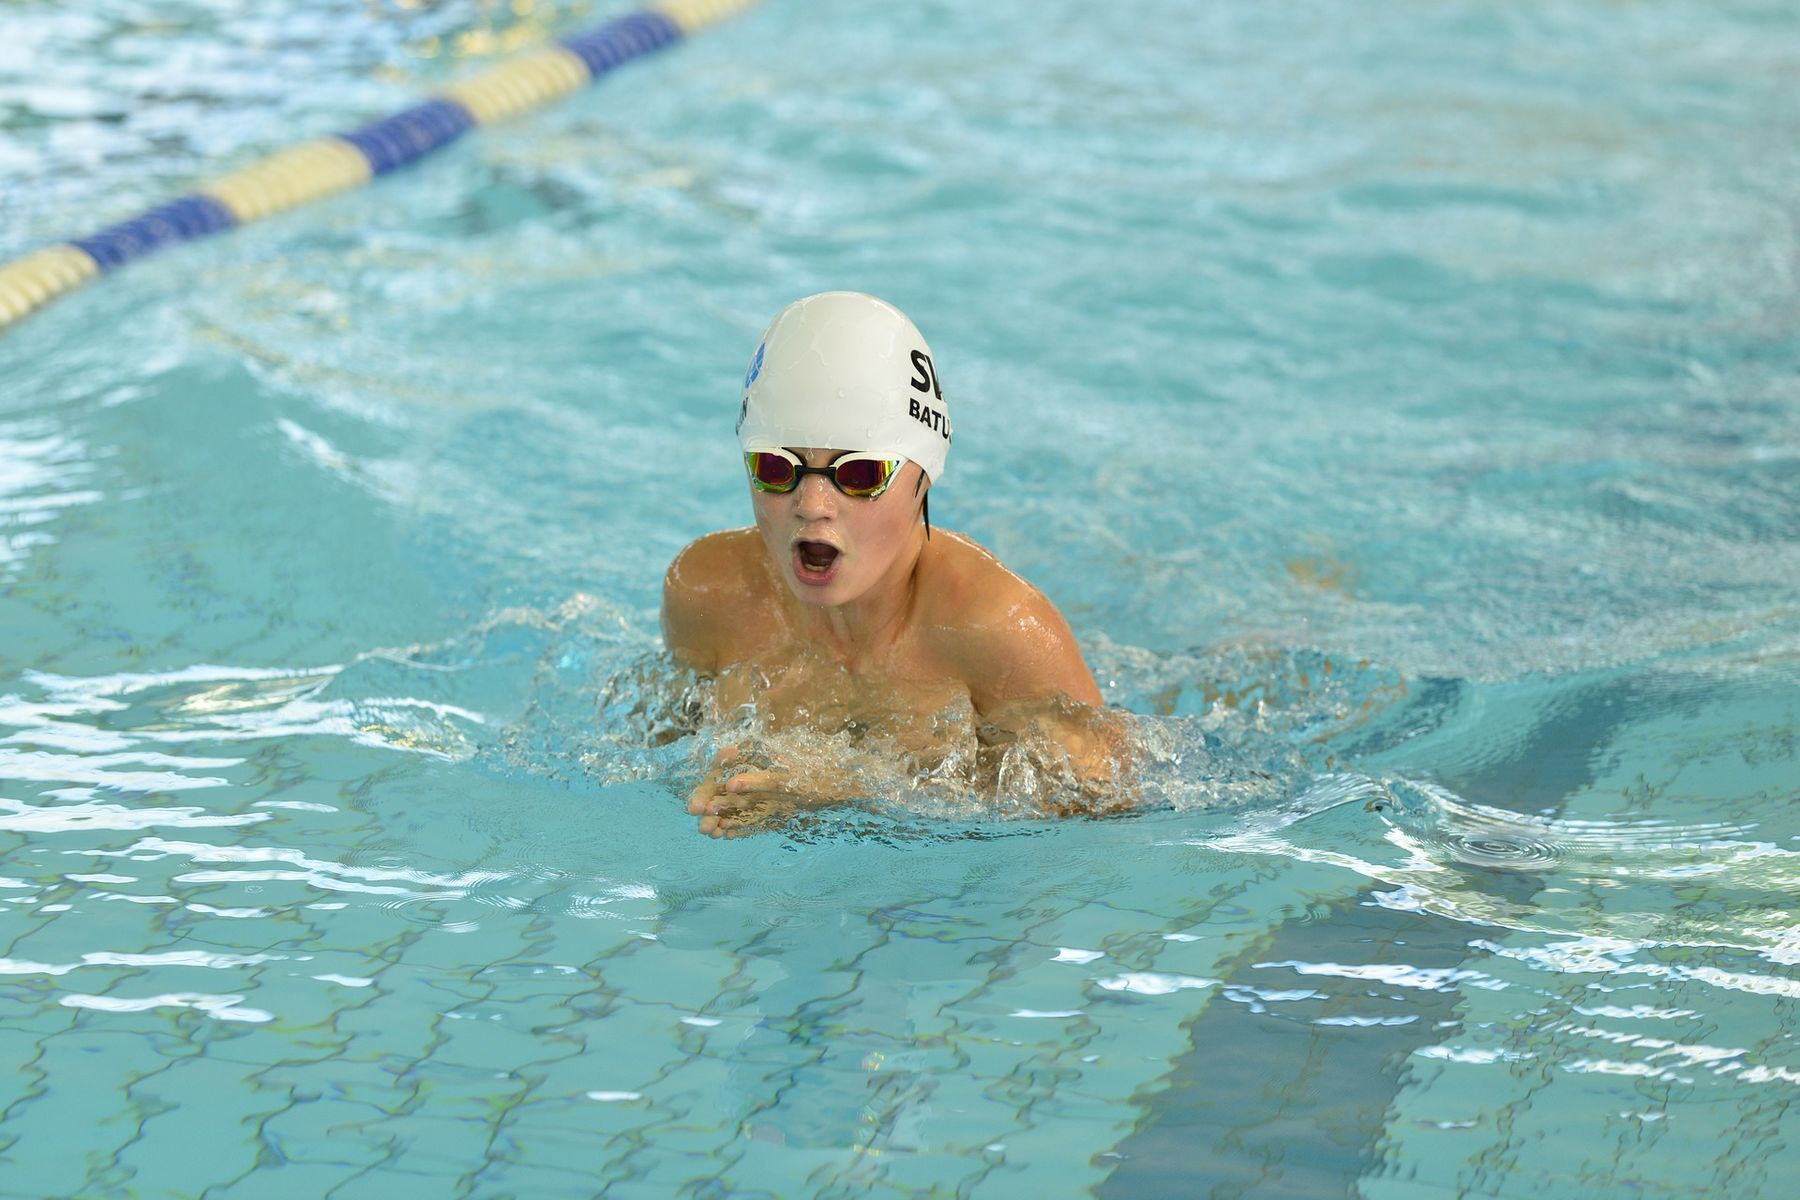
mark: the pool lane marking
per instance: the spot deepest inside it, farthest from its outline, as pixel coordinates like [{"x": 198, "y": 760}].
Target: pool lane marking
[{"x": 328, "y": 165}]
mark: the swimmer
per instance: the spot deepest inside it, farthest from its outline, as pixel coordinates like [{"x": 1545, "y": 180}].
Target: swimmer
[{"x": 843, "y": 610}]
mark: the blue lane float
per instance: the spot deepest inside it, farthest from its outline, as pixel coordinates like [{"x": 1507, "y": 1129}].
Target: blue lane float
[
  {"x": 329, "y": 165},
  {"x": 602, "y": 49},
  {"x": 408, "y": 136},
  {"x": 177, "y": 221}
]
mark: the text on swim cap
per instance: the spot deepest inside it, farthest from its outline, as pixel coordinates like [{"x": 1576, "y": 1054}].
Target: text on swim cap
[
  {"x": 927, "y": 416},
  {"x": 926, "y": 381}
]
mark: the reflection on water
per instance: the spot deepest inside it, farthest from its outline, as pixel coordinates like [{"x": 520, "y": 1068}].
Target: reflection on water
[{"x": 43, "y": 471}]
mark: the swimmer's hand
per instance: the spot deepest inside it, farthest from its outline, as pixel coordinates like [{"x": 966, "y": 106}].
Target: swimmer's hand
[{"x": 737, "y": 799}]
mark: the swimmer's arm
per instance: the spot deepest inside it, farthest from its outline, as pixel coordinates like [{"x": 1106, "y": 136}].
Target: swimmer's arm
[
  {"x": 1027, "y": 679},
  {"x": 691, "y": 616}
]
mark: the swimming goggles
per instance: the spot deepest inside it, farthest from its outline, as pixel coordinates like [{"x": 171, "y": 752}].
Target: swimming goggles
[{"x": 862, "y": 475}]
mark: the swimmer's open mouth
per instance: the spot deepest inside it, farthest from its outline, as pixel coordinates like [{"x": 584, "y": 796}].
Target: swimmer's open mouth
[{"x": 815, "y": 560}]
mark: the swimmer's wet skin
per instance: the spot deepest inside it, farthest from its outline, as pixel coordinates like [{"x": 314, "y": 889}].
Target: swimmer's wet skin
[{"x": 843, "y": 610}]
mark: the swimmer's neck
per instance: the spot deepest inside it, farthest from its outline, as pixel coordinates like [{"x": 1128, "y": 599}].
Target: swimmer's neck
[{"x": 862, "y": 632}]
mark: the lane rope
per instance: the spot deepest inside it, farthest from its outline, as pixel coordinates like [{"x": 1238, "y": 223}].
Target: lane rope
[{"x": 328, "y": 165}]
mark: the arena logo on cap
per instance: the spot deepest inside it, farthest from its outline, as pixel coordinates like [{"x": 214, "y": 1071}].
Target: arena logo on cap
[{"x": 750, "y": 378}]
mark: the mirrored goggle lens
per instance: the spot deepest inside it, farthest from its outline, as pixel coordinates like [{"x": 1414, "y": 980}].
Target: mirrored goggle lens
[
  {"x": 861, "y": 476},
  {"x": 771, "y": 472}
]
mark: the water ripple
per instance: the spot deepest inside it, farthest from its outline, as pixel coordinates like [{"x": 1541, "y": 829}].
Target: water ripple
[
  {"x": 218, "y": 1007},
  {"x": 101, "y": 719},
  {"x": 43, "y": 471},
  {"x": 17, "y": 817},
  {"x": 1449, "y": 829},
  {"x": 1614, "y": 885}
]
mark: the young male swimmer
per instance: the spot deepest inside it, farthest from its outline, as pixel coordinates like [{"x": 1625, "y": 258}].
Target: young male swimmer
[{"x": 842, "y": 609}]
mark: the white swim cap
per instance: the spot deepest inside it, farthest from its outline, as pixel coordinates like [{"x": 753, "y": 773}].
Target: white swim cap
[{"x": 845, "y": 371}]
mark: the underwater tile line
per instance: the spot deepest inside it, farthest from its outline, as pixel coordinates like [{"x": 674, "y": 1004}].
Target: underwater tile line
[{"x": 328, "y": 165}]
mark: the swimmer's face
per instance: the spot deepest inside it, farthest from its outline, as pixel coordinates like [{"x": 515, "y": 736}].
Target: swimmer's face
[{"x": 832, "y": 548}]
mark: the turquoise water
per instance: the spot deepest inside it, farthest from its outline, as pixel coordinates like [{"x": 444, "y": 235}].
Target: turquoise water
[{"x": 1399, "y": 400}]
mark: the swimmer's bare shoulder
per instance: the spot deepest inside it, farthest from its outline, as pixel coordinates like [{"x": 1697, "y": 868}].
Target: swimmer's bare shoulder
[
  {"x": 991, "y": 627},
  {"x": 1025, "y": 673},
  {"x": 706, "y": 594}
]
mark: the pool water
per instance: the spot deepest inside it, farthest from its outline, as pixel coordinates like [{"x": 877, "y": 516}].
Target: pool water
[{"x": 1400, "y": 402}]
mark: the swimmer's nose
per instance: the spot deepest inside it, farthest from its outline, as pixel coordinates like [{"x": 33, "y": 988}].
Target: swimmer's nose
[{"x": 815, "y": 499}]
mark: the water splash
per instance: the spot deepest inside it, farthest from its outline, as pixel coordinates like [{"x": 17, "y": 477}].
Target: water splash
[{"x": 1240, "y": 728}]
